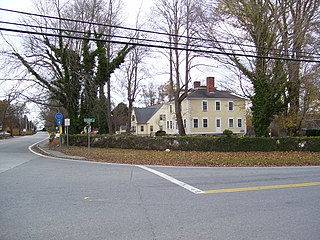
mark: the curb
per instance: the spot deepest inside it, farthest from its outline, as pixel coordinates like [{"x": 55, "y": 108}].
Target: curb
[{"x": 50, "y": 153}]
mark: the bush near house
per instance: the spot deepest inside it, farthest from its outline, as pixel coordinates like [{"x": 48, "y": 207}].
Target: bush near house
[
  {"x": 313, "y": 132},
  {"x": 199, "y": 143}
]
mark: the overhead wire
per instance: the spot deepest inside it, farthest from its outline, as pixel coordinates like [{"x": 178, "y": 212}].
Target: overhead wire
[
  {"x": 114, "y": 36},
  {"x": 158, "y": 46},
  {"x": 233, "y": 53},
  {"x": 140, "y": 30},
  {"x": 149, "y": 31}
]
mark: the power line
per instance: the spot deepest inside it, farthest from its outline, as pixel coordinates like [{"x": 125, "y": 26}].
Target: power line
[
  {"x": 16, "y": 79},
  {"x": 115, "y": 36},
  {"x": 153, "y": 32},
  {"x": 158, "y": 46}
]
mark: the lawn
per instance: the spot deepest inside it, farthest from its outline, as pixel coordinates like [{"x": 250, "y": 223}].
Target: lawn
[{"x": 194, "y": 158}]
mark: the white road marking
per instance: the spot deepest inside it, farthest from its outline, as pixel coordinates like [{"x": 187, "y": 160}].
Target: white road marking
[
  {"x": 36, "y": 153},
  {"x": 173, "y": 180}
]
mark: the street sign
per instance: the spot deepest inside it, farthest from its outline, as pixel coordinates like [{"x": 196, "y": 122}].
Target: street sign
[
  {"x": 59, "y": 121},
  {"x": 89, "y": 120},
  {"x": 59, "y": 116},
  {"x": 67, "y": 122}
]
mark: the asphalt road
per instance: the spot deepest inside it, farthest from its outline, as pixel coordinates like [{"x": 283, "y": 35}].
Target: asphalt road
[{"x": 43, "y": 198}]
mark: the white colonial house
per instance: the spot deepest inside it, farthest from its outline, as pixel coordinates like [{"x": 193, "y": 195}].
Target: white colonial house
[{"x": 205, "y": 111}]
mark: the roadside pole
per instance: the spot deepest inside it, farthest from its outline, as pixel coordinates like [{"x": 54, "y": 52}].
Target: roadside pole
[
  {"x": 67, "y": 124},
  {"x": 89, "y": 121},
  {"x": 67, "y": 129},
  {"x": 89, "y": 131},
  {"x": 59, "y": 117}
]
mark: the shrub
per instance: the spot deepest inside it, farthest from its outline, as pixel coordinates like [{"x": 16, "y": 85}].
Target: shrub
[
  {"x": 312, "y": 132},
  {"x": 160, "y": 133},
  {"x": 227, "y": 133},
  {"x": 199, "y": 143}
]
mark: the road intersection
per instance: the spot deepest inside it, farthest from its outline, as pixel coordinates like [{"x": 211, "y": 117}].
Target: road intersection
[{"x": 52, "y": 198}]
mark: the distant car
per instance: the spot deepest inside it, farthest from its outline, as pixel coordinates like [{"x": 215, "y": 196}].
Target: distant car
[{"x": 4, "y": 134}]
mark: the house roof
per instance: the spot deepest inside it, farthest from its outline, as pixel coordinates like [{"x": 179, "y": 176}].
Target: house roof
[
  {"x": 202, "y": 93},
  {"x": 144, "y": 114}
]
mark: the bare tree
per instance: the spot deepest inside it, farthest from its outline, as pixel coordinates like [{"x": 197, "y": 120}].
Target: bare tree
[
  {"x": 296, "y": 24},
  {"x": 251, "y": 29},
  {"x": 64, "y": 60},
  {"x": 177, "y": 18},
  {"x": 134, "y": 70},
  {"x": 135, "y": 73}
]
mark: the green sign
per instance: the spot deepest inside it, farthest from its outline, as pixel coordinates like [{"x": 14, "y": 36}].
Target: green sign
[{"x": 89, "y": 120}]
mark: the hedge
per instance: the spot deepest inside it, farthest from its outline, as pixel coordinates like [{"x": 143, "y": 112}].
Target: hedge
[
  {"x": 312, "y": 132},
  {"x": 198, "y": 143}
]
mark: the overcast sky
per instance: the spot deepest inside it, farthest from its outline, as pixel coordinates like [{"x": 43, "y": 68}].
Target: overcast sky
[{"x": 131, "y": 9}]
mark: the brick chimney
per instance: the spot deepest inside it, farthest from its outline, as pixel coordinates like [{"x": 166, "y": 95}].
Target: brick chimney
[
  {"x": 196, "y": 84},
  {"x": 210, "y": 85}
]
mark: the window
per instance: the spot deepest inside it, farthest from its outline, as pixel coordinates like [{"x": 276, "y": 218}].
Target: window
[
  {"x": 195, "y": 123},
  {"x": 218, "y": 123},
  {"x": 218, "y": 105},
  {"x": 230, "y": 106},
  {"x": 184, "y": 123},
  {"x": 133, "y": 118},
  {"x": 230, "y": 122},
  {"x": 141, "y": 128},
  {"x": 170, "y": 108},
  {"x": 151, "y": 128},
  {"x": 205, "y": 123},
  {"x": 171, "y": 125},
  {"x": 205, "y": 106},
  {"x": 167, "y": 124},
  {"x": 162, "y": 117},
  {"x": 239, "y": 122}
]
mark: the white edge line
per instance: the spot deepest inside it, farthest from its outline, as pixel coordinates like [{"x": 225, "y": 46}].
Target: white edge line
[
  {"x": 124, "y": 164},
  {"x": 160, "y": 174},
  {"x": 156, "y": 166},
  {"x": 203, "y": 167},
  {"x": 173, "y": 180},
  {"x": 39, "y": 154},
  {"x": 70, "y": 159}
]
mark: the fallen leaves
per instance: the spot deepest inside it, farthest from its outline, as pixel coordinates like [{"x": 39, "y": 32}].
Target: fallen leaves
[{"x": 195, "y": 158}]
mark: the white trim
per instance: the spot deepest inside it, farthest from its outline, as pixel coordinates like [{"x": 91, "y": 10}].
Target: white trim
[
  {"x": 218, "y": 129},
  {"x": 230, "y": 118},
  {"x": 195, "y": 118},
  {"x": 205, "y": 110},
  {"x": 165, "y": 117},
  {"x": 215, "y": 105},
  {"x": 240, "y": 118},
  {"x": 232, "y": 106},
  {"x": 207, "y": 122}
]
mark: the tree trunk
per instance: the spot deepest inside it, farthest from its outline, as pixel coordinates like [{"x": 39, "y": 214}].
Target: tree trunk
[
  {"x": 130, "y": 109},
  {"x": 109, "y": 117}
]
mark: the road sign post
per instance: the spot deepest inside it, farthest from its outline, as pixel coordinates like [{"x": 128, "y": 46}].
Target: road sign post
[
  {"x": 67, "y": 124},
  {"x": 59, "y": 117},
  {"x": 89, "y": 120}
]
